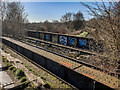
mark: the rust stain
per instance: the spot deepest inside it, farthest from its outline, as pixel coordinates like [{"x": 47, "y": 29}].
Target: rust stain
[
  {"x": 88, "y": 75},
  {"x": 66, "y": 63}
]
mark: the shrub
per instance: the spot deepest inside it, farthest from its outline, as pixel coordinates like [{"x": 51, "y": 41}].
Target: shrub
[
  {"x": 11, "y": 67},
  {"x": 20, "y": 73},
  {"x": 23, "y": 79}
]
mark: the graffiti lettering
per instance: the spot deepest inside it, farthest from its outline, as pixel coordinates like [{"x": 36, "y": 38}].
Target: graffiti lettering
[
  {"x": 63, "y": 40},
  {"x": 72, "y": 41},
  {"x": 47, "y": 37},
  {"x": 82, "y": 42},
  {"x": 41, "y": 36},
  {"x": 54, "y": 38}
]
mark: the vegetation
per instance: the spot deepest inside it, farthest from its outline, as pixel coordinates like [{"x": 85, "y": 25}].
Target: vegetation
[
  {"x": 4, "y": 59},
  {"x": 73, "y": 21},
  {"x": 78, "y": 21},
  {"x": 8, "y": 64},
  {"x": 13, "y": 18},
  {"x": 106, "y": 25},
  {"x": 14, "y": 70},
  {"x": 20, "y": 73},
  {"x": 25, "y": 82},
  {"x": 47, "y": 85},
  {"x": 45, "y": 77},
  {"x": 23, "y": 79},
  {"x": 11, "y": 67}
]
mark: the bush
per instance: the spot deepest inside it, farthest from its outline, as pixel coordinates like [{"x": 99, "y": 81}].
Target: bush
[
  {"x": 11, "y": 67},
  {"x": 23, "y": 79},
  {"x": 20, "y": 73}
]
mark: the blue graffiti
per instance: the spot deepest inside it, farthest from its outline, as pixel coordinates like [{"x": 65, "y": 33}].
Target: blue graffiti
[
  {"x": 82, "y": 42},
  {"x": 72, "y": 41},
  {"x": 63, "y": 40},
  {"x": 47, "y": 37}
]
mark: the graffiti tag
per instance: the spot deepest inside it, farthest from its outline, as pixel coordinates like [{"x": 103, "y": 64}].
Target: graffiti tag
[
  {"x": 72, "y": 41},
  {"x": 63, "y": 40},
  {"x": 82, "y": 42},
  {"x": 41, "y": 36},
  {"x": 47, "y": 37},
  {"x": 54, "y": 38}
]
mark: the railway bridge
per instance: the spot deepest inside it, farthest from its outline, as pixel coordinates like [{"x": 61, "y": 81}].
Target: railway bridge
[{"x": 79, "y": 74}]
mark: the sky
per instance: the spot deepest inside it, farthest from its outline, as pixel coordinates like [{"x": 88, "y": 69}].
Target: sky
[
  {"x": 62, "y": 0},
  {"x": 42, "y": 11}
]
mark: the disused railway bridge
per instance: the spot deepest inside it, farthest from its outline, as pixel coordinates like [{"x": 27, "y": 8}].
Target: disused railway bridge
[{"x": 73, "y": 72}]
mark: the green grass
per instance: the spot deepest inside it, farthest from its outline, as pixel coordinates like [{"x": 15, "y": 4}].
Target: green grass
[
  {"x": 8, "y": 65},
  {"x": 23, "y": 79},
  {"x": 31, "y": 70},
  {"x": 24, "y": 82},
  {"x": 4, "y": 59},
  {"x": 5, "y": 51},
  {"x": 47, "y": 85},
  {"x": 43, "y": 77},
  {"x": 11, "y": 67},
  {"x": 20, "y": 73},
  {"x": 14, "y": 70},
  {"x": 6, "y": 62}
]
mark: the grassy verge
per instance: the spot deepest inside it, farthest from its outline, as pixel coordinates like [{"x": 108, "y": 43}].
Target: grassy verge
[
  {"x": 18, "y": 73},
  {"x": 49, "y": 83},
  {"x": 52, "y": 82}
]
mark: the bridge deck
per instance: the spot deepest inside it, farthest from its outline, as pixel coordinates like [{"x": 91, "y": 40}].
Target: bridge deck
[{"x": 96, "y": 75}]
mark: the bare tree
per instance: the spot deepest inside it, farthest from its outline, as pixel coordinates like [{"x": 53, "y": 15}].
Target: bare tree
[
  {"x": 106, "y": 25},
  {"x": 67, "y": 18},
  {"x": 78, "y": 21},
  {"x": 15, "y": 19},
  {"x": 48, "y": 25},
  {"x": 3, "y": 9}
]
